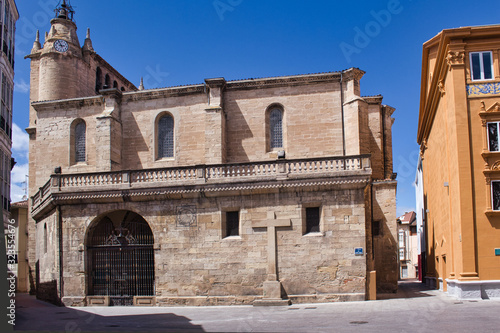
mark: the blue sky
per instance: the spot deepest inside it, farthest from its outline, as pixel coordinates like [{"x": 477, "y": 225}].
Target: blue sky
[{"x": 172, "y": 42}]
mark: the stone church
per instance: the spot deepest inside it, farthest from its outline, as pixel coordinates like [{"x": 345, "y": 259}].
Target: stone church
[{"x": 260, "y": 191}]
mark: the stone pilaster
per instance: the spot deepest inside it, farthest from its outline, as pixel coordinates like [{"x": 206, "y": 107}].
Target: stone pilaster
[
  {"x": 215, "y": 122},
  {"x": 109, "y": 132}
]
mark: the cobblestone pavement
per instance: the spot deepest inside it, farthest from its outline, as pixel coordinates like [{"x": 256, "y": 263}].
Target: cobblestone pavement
[{"x": 412, "y": 309}]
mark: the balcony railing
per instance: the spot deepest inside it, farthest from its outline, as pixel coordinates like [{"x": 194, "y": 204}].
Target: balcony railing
[{"x": 201, "y": 174}]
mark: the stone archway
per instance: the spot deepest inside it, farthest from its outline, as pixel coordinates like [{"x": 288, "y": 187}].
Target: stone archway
[{"x": 120, "y": 258}]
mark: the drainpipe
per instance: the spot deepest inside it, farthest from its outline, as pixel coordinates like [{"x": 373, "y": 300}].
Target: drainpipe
[{"x": 342, "y": 111}]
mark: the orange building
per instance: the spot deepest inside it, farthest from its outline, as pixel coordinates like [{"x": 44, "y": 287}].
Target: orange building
[{"x": 459, "y": 136}]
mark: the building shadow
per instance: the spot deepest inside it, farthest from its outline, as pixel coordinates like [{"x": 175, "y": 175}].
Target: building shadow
[
  {"x": 36, "y": 315},
  {"x": 409, "y": 288}
]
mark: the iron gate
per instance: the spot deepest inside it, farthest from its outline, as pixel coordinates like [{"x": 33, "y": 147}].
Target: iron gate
[{"x": 121, "y": 259}]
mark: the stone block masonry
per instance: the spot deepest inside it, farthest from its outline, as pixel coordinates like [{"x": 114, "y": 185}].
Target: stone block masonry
[{"x": 196, "y": 195}]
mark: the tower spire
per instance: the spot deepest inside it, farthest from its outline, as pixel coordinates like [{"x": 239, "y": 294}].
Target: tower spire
[
  {"x": 36, "y": 45},
  {"x": 87, "y": 44}
]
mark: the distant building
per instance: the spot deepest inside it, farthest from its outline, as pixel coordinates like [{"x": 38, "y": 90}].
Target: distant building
[
  {"x": 420, "y": 213},
  {"x": 459, "y": 137},
  {"x": 408, "y": 246},
  {"x": 8, "y": 18},
  {"x": 256, "y": 191}
]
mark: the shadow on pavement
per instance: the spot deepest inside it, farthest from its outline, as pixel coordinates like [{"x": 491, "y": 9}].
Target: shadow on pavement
[
  {"x": 408, "y": 289},
  {"x": 35, "y": 315}
]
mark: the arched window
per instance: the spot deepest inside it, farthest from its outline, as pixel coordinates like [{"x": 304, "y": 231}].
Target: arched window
[
  {"x": 115, "y": 84},
  {"x": 276, "y": 128},
  {"x": 79, "y": 143},
  {"x": 98, "y": 79},
  {"x": 166, "y": 136},
  {"x": 107, "y": 81}
]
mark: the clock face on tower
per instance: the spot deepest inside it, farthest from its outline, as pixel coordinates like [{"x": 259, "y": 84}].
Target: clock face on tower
[{"x": 61, "y": 45}]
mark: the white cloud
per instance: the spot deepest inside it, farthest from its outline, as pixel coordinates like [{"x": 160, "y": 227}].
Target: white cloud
[
  {"x": 19, "y": 173},
  {"x": 21, "y": 86},
  {"x": 20, "y": 148},
  {"x": 18, "y": 179},
  {"x": 16, "y": 192},
  {"x": 20, "y": 139}
]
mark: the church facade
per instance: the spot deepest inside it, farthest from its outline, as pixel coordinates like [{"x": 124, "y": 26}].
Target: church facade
[{"x": 261, "y": 191}]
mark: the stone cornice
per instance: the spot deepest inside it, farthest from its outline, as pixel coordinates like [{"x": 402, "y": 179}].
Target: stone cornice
[
  {"x": 179, "y": 192},
  {"x": 67, "y": 103},
  {"x": 283, "y": 81},
  {"x": 214, "y": 179},
  {"x": 163, "y": 93},
  {"x": 389, "y": 110},
  {"x": 352, "y": 73},
  {"x": 384, "y": 182}
]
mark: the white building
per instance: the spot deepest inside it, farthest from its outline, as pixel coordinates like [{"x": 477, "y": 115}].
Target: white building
[
  {"x": 408, "y": 246},
  {"x": 420, "y": 212}
]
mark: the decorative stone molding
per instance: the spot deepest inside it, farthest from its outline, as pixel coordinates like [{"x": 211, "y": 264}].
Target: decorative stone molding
[
  {"x": 496, "y": 166},
  {"x": 217, "y": 179},
  {"x": 441, "y": 87},
  {"x": 98, "y": 301},
  {"x": 494, "y": 107},
  {"x": 144, "y": 300},
  {"x": 423, "y": 148},
  {"x": 455, "y": 58}
]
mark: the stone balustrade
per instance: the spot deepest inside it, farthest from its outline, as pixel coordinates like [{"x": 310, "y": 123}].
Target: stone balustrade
[{"x": 201, "y": 174}]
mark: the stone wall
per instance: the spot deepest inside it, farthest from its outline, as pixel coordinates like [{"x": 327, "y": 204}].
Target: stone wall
[
  {"x": 385, "y": 246},
  {"x": 197, "y": 266},
  {"x": 47, "y": 259},
  {"x": 312, "y": 127}
]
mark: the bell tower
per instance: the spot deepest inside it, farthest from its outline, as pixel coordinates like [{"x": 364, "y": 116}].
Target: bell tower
[{"x": 58, "y": 69}]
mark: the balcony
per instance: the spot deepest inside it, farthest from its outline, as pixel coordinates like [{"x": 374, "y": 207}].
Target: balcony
[{"x": 209, "y": 178}]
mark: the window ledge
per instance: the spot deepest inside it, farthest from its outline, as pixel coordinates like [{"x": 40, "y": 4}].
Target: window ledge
[
  {"x": 229, "y": 238},
  {"x": 78, "y": 164},
  {"x": 165, "y": 159},
  {"x": 314, "y": 234},
  {"x": 471, "y": 81},
  {"x": 487, "y": 153},
  {"x": 492, "y": 213}
]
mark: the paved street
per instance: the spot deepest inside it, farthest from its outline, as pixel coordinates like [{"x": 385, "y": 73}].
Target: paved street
[{"x": 413, "y": 309}]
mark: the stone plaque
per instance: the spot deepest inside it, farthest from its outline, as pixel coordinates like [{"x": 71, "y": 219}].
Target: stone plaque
[{"x": 186, "y": 216}]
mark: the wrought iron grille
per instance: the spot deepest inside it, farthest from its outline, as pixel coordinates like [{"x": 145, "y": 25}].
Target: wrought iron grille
[
  {"x": 166, "y": 137},
  {"x": 121, "y": 259},
  {"x": 276, "y": 123}
]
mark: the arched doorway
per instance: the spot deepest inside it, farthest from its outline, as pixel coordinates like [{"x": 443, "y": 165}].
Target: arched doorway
[{"x": 120, "y": 257}]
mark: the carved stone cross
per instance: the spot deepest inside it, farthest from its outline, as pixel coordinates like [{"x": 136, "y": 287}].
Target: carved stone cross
[{"x": 272, "y": 287}]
